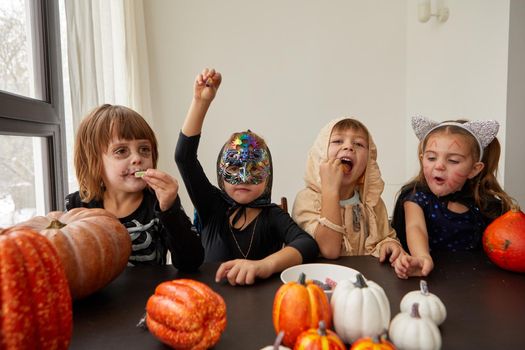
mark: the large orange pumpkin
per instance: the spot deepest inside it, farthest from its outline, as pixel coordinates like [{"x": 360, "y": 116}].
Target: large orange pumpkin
[
  {"x": 299, "y": 306},
  {"x": 92, "y": 244},
  {"x": 319, "y": 339},
  {"x": 504, "y": 240},
  {"x": 186, "y": 314},
  {"x": 35, "y": 303}
]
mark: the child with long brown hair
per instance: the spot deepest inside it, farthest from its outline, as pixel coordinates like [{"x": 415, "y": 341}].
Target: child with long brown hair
[
  {"x": 455, "y": 195},
  {"x": 115, "y": 161}
]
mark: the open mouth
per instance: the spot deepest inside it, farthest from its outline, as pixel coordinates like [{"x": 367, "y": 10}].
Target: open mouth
[
  {"x": 139, "y": 173},
  {"x": 347, "y": 165},
  {"x": 439, "y": 180}
]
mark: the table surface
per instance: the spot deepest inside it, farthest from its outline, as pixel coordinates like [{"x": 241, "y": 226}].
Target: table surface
[{"x": 485, "y": 305}]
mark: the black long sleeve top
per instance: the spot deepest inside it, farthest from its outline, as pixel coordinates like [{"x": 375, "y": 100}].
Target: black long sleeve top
[{"x": 265, "y": 235}]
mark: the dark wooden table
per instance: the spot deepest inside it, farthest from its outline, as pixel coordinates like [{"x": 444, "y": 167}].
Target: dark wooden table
[{"x": 485, "y": 305}]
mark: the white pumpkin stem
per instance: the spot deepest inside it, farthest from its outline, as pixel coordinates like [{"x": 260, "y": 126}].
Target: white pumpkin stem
[
  {"x": 278, "y": 340},
  {"x": 322, "y": 329},
  {"x": 55, "y": 224},
  {"x": 360, "y": 281},
  {"x": 415, "y": 311},
  {"x": 423, "y": 286}
]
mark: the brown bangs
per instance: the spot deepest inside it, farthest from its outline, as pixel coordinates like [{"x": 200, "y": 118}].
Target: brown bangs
[{"x": 349, "y": 123}]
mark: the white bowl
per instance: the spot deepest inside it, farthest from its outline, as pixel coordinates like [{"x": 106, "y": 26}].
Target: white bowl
[{"x": 319, "y": 272}]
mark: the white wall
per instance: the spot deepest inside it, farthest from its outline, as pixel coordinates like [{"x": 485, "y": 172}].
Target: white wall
[
  {"x": 458, "y": 69},
  {"x": 515, "y": 161},
  {"x": 291, "y": 66}
]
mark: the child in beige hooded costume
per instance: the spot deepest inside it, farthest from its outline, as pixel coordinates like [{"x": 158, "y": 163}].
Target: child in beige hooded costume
[{"x": 341, "y": 205}]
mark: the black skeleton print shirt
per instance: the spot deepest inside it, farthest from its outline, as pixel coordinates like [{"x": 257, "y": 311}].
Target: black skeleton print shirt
[{"x": 153, "y": 233}]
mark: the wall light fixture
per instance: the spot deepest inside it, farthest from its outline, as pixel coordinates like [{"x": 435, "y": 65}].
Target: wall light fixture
[{"x": 424, "y": 11}]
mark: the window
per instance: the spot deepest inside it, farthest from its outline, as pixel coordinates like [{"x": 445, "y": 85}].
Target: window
[{"x": 33, "y": 176}]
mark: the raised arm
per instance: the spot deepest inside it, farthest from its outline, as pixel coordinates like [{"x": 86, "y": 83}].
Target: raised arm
[{"x": 205, "y": 88}]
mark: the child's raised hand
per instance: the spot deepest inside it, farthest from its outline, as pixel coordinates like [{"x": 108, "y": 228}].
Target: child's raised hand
[
  {"x": 242, "y": 271},
  {"x": 331, "y": 173},
  {"x": 165, "y": 187},
  {"x": 206, "y": 84}
]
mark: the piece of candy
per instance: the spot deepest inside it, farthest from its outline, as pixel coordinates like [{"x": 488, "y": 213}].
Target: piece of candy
[{"x": 140, "y": 173}]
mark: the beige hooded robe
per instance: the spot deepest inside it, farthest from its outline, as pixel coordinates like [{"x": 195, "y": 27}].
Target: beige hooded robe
[{"x": 373, "y": 228}]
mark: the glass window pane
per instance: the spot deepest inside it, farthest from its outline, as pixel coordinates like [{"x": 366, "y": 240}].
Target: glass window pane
[
  {"x": 22, "y": 178},
  {"x": 20, "y": 48}
]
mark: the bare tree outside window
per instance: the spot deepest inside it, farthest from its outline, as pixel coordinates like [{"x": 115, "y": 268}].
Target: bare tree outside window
[{"x": 18, "y": 184}]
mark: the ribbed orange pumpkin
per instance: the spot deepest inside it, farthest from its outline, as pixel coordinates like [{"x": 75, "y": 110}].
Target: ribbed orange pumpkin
[
  {"x": 504, "y": 240},
  {"x": 299, "y": 306},
  {"x": 92, "y": 244},
  {"x": 35, "y": 303},
  {"x": 186, "y": 314},
  {"x": 319, "y": 339}
]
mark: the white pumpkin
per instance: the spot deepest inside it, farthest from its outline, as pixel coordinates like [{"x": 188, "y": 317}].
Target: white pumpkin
[
  {"x": 429, "y": 304},
  {"x": 410, "y": 331},
  {"x": 360, "y": 309},
  {"x": 277, "y": 344}
]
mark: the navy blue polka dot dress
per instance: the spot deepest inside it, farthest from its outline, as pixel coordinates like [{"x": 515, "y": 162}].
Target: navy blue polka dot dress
[{"x": 447, "y": 230}]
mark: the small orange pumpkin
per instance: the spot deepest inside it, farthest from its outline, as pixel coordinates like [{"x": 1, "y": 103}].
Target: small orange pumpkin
[
  {"x": 35, "y": 303},
  {"x": 92, "y": 243},
  {"x": 186, "y": 314},
  {"x": 504, "y": 240},
  {"x": 319, "y": 339},
  {"x": 299, "y": 306},
  {"x": 372, "y": 343}
]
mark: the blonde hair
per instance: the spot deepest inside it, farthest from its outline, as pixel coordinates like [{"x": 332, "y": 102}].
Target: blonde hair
[{"x": 94, "y": 134}]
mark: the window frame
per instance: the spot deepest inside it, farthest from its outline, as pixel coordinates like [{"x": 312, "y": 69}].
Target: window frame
[{"x": 24, "y": 116}]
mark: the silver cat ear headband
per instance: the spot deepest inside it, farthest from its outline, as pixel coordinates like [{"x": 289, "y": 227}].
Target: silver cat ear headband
[{"x": 484, "y": 131}]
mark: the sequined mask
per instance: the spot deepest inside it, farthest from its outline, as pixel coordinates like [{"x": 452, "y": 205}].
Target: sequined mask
[{"x": 244, "y": 162}]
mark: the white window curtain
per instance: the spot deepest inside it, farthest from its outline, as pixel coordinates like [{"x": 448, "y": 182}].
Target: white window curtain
[{"x": 107, "y": 56}]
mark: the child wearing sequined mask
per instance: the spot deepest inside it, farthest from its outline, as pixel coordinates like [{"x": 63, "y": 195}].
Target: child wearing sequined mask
[
  {"x": 455, "y": 196},
  {"x": 341, "y": 204},
  {"x": 239, "y": 225}
]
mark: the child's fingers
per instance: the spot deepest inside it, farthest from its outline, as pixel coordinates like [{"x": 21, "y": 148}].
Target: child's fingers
[
  {"x": 394, "y": 254},
  {"x": 232, "y": 274},
  {"x": 250, "y": 277},
  {"x": 223, "y": 270},
  {"x": 240, "y": 277},
  {"x": 426, "y": 268}
]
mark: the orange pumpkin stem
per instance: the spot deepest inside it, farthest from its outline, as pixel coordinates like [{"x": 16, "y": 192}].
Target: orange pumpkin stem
[
  {"x": 55, "y": 224},
  {"x": 302, "y": 279},
  {"x": 322, "y": 329}
]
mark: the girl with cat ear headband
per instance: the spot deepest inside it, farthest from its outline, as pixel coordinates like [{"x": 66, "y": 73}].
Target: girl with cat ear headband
[{"x": 455, "y": 195}]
